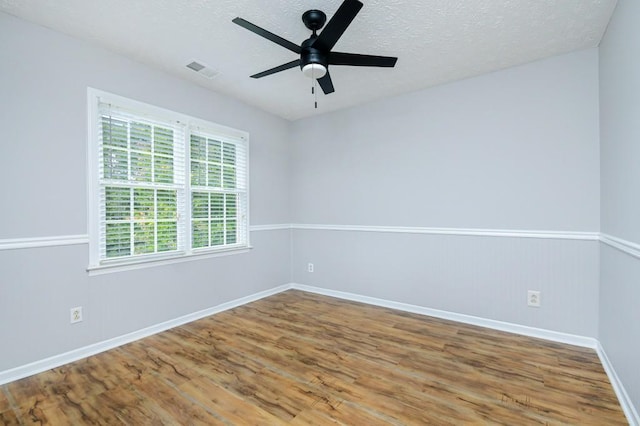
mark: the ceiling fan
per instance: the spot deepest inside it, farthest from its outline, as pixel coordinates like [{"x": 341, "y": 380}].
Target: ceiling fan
[{"x": 315, "y": 52}]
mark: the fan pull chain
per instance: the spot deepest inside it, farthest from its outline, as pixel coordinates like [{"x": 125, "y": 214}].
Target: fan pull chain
[{"x": 313, "y": 87}]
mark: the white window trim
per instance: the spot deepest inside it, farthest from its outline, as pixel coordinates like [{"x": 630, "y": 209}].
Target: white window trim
[{"x": 96, "y": 266}]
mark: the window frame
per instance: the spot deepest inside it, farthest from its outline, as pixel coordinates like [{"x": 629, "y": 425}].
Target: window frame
[{"x": 98, "y": 265}]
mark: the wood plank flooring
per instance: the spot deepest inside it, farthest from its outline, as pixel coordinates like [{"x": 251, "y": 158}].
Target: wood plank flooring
[{"x": 297, "y": 358}]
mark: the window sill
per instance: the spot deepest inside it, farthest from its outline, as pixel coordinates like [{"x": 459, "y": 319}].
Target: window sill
[{"x": 133, "y": 264}]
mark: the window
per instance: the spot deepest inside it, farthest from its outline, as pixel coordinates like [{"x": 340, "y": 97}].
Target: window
[
  {"x": 163, "y": 185},
  {"x": 215, "y": 191}
]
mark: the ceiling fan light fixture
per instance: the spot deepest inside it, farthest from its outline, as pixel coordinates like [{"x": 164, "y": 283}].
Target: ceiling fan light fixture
[
  {"x": 316, "y": 53},
  {"x": 314, "y": 70}
]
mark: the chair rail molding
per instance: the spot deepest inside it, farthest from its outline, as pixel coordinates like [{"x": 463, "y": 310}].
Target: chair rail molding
[{"x": 626, "y": 246}]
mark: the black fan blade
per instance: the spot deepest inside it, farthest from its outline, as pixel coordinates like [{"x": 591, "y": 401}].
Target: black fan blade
[
  {"x": 337, "y": 25},
  {"x": 279, "y": 68},
  {"x": 268, "y": 35},
  {"x": 326, "y": 84},
  {"x": 354, "y": 59}
]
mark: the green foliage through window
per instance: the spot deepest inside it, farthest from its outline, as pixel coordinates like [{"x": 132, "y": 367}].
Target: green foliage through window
[
  {"x": 214, "y": 219},
  {"x": 140, "y": 221}
]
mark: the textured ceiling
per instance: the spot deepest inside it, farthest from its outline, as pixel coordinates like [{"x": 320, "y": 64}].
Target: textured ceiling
[{"x": 436, "y": 41}]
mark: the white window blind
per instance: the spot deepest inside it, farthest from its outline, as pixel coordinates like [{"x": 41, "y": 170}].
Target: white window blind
[
  {"x": 218, "y": 191},
  {"x": 166, "y": 185},
  {"x": 141, "y": 184}
]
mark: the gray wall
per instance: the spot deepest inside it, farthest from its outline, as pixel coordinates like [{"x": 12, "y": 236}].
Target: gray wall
[
  {"x": 43, "y": 83},
  {"x": 515, "y": 149},
  {"x": 620, "y": 168}
]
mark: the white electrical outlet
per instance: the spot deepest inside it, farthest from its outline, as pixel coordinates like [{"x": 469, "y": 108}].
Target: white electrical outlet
[
  {"x": 76, "y": 314},
  {"x": 533, "y": 298},
  {"x": 310, "y": 267}
]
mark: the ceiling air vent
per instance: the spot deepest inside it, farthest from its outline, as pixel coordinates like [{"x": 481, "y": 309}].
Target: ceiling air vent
[{"x": 203, "y": 70}]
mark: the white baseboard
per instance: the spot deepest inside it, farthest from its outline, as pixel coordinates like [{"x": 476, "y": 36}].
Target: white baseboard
[
  {"x": 93, "y": 349},
  {"x": 80, "y": 353},
  {"x": 621, "y": 393},
  {"x": 571, "y": 339}
]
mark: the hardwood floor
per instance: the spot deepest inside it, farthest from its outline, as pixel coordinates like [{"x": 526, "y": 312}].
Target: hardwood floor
[{"x": 302, "y": 359}]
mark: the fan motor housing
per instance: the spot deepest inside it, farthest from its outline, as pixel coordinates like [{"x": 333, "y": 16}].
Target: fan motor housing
[{"x": 311, "y": 55}]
